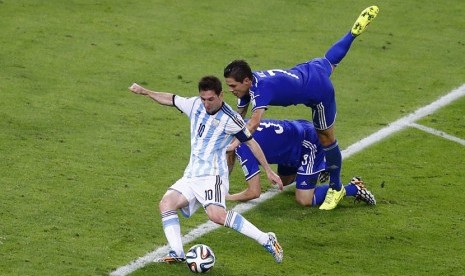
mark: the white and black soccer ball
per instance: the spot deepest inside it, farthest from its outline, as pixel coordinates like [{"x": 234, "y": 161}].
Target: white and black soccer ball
[{"x": 200, "y": 258}]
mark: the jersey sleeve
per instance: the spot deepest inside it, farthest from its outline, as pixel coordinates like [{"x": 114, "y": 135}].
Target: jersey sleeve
[
  {"x": 261, "y": 97},
  {"x": 185, "y": 105}
]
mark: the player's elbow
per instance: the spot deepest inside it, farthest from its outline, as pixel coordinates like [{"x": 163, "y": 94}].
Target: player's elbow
[
  {"x": 249, "y": 195},
  {"x": 254, "y": 194}
]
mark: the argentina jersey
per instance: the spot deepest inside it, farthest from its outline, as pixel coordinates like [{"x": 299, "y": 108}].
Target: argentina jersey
[{"x": 210, "y": 136}]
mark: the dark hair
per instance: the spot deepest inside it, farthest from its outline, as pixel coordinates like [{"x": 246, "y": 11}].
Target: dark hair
[
  {"x": 238, "y": 70},
  {"x": 210, "y": 83}
]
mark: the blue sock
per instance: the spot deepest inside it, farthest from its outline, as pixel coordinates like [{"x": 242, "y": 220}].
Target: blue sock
[
  {"x": 320, "y": 194},
  {"x": 333, "y": 165},
  {"x": 339, "y": 49},
  {"x": 351, "y": 190}
]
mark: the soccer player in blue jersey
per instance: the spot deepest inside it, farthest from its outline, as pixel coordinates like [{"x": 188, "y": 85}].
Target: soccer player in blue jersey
[
  {"x": 307, "y": 83},
  {"x": 213, "y": 125},
  {"x": 295, "y": 147}
]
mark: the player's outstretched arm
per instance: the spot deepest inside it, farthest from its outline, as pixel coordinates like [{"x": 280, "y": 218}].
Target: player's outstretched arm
[
  {"x": 160, "y": 97},
  {"x": 258, "y": 153}
]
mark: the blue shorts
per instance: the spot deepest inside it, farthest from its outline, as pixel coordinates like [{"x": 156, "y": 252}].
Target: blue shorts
[
  {"x": 318, "y": 72},
  {"x": 302, "y": 181}
]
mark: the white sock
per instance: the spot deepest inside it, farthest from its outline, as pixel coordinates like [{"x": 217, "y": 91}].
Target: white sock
[
  {"x": 172, "y": 230},
  {"x": 240, "y": 224}
]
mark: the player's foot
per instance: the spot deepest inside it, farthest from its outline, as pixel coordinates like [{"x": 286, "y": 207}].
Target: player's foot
[
  {"x": 364, "y": 20},
  {"x": 274, "y": 247},
  {"x": 172, "y": 257},
  {"x": 332, "y": 198},
  {"x": 362, "y": 194}
]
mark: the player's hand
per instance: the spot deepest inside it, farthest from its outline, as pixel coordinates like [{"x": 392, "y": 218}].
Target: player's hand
[
  {"x": 275, "y": 179},
  {"x": 137, "y": 89}
]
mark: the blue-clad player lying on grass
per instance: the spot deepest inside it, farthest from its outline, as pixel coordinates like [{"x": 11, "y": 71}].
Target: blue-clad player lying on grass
[{"x": 295, "y": 147}]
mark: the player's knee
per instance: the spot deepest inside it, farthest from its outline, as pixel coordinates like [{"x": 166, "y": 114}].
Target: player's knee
[
  {"x": 165, "y": 205},
  {"x": 162, "y": 206},
  {"x": 216, "y": 214},
  {"x": 216, "y": 220},
  {"x": 304, "y": 202},
  {"x": 326, "y": 136}
]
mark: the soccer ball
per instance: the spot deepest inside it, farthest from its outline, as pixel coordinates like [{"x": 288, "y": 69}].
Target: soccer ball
[{"x": 200, "y": 258}]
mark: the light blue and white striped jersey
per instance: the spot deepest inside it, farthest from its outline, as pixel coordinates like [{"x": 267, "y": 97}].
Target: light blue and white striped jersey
[{"x": 210, "y": 136}]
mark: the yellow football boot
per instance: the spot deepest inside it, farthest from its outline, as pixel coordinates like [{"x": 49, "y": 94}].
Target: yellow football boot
[
  {"x": 364, "y": 20},
  {"x": 332, "y": 198}
]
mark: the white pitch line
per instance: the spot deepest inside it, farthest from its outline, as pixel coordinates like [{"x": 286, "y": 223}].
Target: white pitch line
[
  {"x": 405, "y": 121},
  {"x": 438, "y": 133},
  {"x": 354, "y": 148}
]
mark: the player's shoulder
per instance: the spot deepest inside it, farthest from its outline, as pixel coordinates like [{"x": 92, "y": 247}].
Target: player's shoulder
[
  {"x": 186, "y": 104},
  {"x": 188, "y": 100},
  {"x": 228, "y": 110},
  {"x": 231, "y": 115}
]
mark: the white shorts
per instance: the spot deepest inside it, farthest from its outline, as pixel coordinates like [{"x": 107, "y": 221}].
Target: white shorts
[{"x": 202, "y": 191}]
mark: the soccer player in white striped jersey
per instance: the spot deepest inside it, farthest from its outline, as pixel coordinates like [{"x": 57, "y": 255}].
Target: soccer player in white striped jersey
[{"x": 213, "y": 125}]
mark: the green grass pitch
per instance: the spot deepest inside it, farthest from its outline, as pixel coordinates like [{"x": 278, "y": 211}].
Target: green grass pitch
[{"x": 84, "y": 163}]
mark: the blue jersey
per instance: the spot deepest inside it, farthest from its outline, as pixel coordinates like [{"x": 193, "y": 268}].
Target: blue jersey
[
  {"x": 210, "y": 136},
  {"x": 307, "y": 83},
  {"x": 291, "y": 144}
]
